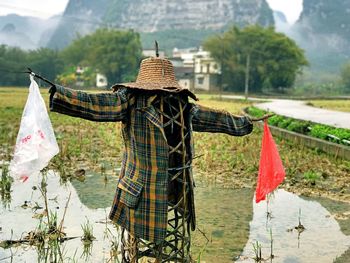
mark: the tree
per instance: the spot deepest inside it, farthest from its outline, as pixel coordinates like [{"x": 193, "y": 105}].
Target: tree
[
  {"x": 14, "y": 60},
  {"x": 113, "y": 53},
  {"x": 46, "y": 62},
  {"x": 345, "y": 77},
  {"x": 256, "y": 57}
]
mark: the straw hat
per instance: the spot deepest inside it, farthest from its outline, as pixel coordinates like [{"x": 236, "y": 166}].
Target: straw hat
[{"x": 156, "y": 74}]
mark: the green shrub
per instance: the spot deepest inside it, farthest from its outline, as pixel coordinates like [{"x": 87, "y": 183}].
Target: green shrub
[
  {"x": 343, "y": 134},
  {"x": 312, "y": 176},
  {"x": 255, "y": 112},
  {"x": 274, "y": 120},
  {"x": 285, "y": 123},
  {"x": 298, "y": 126},
  {"x": 319, "y": 131},
  {"x": 323, "y": 132}
]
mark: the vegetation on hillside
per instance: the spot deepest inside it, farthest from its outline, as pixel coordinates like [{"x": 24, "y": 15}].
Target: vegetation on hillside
[
  {"x": 345, "y": 77},
  {"x": 179, "y": 38}
]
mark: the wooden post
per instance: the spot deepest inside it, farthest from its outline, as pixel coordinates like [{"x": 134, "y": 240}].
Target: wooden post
[{"x": 157, "y": 48}]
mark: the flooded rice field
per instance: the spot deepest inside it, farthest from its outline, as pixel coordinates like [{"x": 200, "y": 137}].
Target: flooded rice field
[
  {"x": 26, "y": 213},
  {"x": 231, "y": 227},
  {"x": 299, "y": 230}
]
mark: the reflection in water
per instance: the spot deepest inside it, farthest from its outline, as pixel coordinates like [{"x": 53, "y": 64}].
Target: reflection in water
[
  {"x": 50, "y": 252},
  {"x": 5, "y": 186},
  {"x": 87, "y": 251},
  {"x": 94, "y": 192},
  {"x": 223, "y": 215},
  {"x": 321, "y": 241},
  {"x": 17, "y": 222},
  {"x": 226, "y": 224}
]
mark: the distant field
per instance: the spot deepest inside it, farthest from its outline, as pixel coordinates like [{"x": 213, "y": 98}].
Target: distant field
[
  {"x": 214, "y": 101},
  {"x": 338, "y": 105}
]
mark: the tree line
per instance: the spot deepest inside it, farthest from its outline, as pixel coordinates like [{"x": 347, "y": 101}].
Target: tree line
[
  {"x": 255, "y": 58},
  {"x": 14, "y": 60},
  {"x": 116, "y": 54}
]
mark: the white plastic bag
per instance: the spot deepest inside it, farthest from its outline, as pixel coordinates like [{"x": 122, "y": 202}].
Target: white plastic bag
[{"x": 36, "y": 143}]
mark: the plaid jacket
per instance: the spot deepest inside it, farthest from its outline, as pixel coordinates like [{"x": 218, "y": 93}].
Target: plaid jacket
[{"x": 140, "y": 204}]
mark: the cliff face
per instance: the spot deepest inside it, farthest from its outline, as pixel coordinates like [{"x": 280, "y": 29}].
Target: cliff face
[
  {"x": 159, "y": 15},
  {"x": 327, "y": 18},
  {"x": 84, "y": 16},
  {"x": 324, "y": 31},
  {"x": 80, "y": 17},
  {"x": 89, "y": 8}
]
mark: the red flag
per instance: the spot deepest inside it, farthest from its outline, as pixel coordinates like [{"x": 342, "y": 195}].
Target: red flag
[{"x": 271, "y": 171}]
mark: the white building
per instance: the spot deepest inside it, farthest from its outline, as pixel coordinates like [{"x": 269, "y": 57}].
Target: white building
[
  {"x": 206, "y": 71},
  {"x": 101, "y": 81}
]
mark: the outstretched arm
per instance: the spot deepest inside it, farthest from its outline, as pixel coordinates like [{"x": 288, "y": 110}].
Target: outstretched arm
[
  {"x": 101, "y": 107},
  {"x": 208, "y": 120}
]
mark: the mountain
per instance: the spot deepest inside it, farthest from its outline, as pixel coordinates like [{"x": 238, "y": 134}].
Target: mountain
[
  {"x": 11, "y": 37},
  {"x": 155, "y": 15},
  {"x": 26, "y": 32},
  {"x": 279, "y": 17},
  {"x": 80, "y": 18},
  {"x": 281, "y": 23},
  {"x": 327, "y": 17},
  {"x": 149, "y": 17},
  {"x": 323, "y": 30}
]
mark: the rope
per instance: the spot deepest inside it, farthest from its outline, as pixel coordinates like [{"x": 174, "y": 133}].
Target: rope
[
  {"x": 28, "y": 72},
  {"x": 11, "y": 71}
]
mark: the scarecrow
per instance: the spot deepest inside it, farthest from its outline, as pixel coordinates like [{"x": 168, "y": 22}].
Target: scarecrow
[{"x": 154, "y": 200}]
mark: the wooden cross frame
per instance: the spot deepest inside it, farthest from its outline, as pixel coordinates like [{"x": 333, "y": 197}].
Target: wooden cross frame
[{"x": 181, "y": 215}]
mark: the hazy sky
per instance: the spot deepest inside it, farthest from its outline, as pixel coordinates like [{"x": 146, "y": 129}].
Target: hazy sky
[
  {"x": 38, "y": 8},
  {"x": 291, "y": 8},
  {"x": 47, "y": 8}
]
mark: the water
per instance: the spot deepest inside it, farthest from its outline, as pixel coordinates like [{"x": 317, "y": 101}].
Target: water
[
  {"x": 224, "y": 216},
  {"x": 16, "y": 222},
  {"x": 321, "y": 241},
  {"x": 228, "y": 220}
]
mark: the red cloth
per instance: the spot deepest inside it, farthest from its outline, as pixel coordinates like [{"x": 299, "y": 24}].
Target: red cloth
[{"x": 271, "y": 171}]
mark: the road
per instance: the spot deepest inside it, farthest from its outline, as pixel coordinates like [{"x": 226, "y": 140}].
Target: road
[{"x": 299, "y": 110}]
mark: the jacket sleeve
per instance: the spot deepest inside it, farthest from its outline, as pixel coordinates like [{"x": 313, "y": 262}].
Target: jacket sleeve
[
  {"x": 103, "y": 107},
  {"x": 208, "y": 120}
]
